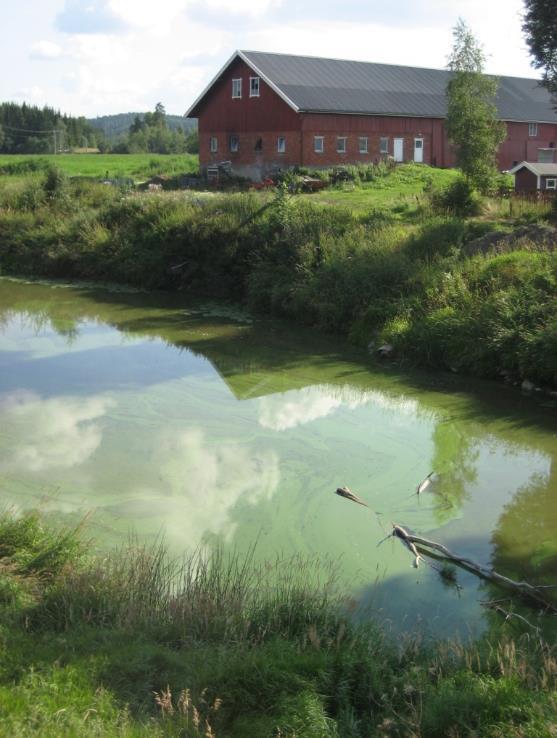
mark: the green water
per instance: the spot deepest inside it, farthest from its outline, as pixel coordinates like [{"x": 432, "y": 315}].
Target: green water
[{"x": 192, "y": 420}]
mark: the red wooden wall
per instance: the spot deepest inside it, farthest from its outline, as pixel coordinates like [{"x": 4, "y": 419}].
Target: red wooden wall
[{"x": 259, "y": 121}]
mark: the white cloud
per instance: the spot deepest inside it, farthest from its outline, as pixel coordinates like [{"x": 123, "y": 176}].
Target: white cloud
[
  {"x": 298, "y": 407},
  {"x": 207, "y": 480},
  {"x": 121, "y": 55},
  {"x": 54, "y": 433},
  {"x": 45, "y": 50}
]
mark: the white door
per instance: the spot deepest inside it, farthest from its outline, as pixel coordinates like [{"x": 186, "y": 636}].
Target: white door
[
  {"x": 398, "y": 149},
  {"x": 419, "y": 150}
]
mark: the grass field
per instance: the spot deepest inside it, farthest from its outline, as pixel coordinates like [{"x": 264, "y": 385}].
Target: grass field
[
  {"x": 136, "y": 166},
  {"x": 401, "y": 189}
]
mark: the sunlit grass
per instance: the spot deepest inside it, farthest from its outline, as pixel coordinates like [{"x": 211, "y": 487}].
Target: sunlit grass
[{"x": 136, "y": 166}]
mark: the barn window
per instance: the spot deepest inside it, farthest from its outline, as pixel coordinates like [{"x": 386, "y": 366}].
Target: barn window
[
  {"x": 551, "y": 184},
  {"x": 383, "y": 145},
  {"x": 341, "y": 144},
  {"x": 259, "y": 144},
  {"x": 545, "y": 156},
  {"x": 234, "y": 143},
  {"x": 318, "y": 144},
  {"x": 363, "y": 144},
  {"x": 532, "y": 129},
  {"x": 281, "y": 144},
  {"x": 236, "y": 88},
  {"x": 254, "y": 86},
  {"x": 213, "y": 144}
]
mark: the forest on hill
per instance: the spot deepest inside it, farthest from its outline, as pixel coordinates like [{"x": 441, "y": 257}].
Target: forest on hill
[
  {"x": 117, "y": 126},
  {"x": 29, "y": 129}
]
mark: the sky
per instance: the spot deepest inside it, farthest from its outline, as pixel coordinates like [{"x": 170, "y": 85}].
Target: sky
[{"x": 97, "y": 57}]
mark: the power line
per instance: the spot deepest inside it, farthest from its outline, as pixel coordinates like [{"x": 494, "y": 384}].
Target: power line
[{"x": 30, "y": 130}]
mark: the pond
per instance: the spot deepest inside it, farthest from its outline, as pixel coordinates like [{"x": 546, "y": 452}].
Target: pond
[{"x": 158, "y": 416}]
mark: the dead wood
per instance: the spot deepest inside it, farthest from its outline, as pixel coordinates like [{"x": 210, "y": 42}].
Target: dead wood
[
  {"x": 420, "y": 547},
  {"x": 523, "y": 588},
  {"x": 349, "y": 495}
]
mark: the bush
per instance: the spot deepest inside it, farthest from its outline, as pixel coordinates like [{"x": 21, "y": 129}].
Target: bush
[
  {"x": 459, "y": 198},
  {"x": 55, "y": 183}
]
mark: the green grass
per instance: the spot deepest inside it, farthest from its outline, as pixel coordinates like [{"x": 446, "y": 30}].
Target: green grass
[
  {"x": 400, "y": 191},
  {"x": 135, "y": 644},
  {"x": 136, "y": 166}
]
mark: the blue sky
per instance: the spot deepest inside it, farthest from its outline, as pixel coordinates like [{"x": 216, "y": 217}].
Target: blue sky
[{"x": 94, "y": 57}]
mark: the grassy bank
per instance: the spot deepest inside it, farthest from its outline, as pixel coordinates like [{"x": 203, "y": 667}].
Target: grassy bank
[
  {"x": 445, "y": 291},
  {"x": 135, "y": 644}
]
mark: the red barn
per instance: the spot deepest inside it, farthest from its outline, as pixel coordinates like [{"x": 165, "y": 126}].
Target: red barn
[{"x": 266, "y": 111}]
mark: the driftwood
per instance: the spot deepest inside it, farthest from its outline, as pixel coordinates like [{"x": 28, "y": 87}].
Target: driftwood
[
  {"x": 349, "y": 495},
  {"x": 508, "y": 614},
  {"x": 420, "y": 547},
  {"x": 423, "y": 485},
  {"x": 523, "y": 588},
  {"x": 405, "y": 537}
]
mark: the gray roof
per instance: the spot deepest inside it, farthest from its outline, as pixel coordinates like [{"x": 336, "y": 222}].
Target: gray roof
[
  {"x": 312, "y": 84},
  {"x": 540, "y": 170}
]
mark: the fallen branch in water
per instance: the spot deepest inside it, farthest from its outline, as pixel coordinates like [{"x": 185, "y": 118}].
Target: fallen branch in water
[
  {"x": 523, "y": 588},
  {"x": 412, "y": 542},
  {"x": 508, "y": 614},
  {"x": 404, "y": 536}
]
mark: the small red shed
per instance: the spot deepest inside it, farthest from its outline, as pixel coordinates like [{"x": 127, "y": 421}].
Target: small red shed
[{"x": 533, "y": 176}]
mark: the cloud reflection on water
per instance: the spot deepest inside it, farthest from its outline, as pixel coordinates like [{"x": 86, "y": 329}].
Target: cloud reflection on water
[
  {"x": 298, "y": 407},
  {"x": 59, "y": 432},
  {"x": 208, "y": 479}
]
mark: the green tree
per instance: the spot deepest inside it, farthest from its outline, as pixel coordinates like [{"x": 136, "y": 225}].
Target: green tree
[
  {"x": 472, "y": 125},
  {"x": 540, "y": 27}
]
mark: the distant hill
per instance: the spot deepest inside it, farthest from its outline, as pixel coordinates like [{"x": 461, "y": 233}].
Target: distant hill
[{"x": 118, "y": 125}]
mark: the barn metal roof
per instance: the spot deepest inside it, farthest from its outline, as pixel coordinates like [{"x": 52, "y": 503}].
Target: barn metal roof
[{"x": 313, "y": 84}]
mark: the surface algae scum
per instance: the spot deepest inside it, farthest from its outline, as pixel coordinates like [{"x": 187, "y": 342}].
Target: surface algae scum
[{"x": 192, "y": 421}]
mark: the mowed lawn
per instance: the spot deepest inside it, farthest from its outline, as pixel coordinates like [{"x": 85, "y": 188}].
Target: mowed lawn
[{"x": 136, "y": 166}]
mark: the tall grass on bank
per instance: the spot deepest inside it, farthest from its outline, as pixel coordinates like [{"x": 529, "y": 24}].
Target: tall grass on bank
[
  {"x": 485, "y": 310},
  {"x": 135, "y": 644}
]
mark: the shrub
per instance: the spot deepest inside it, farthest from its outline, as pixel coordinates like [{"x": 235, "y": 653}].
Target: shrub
[
  {"x": 55, "y": 183},
  {"x": 459, "y": 198}
]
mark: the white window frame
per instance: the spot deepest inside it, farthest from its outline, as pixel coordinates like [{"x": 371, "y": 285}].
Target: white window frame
[
  {"x": 213, "y": 144},
  {"x": 341, "y": 144},
  {"x": 553, "y": 181},
  {"x": 237, "y": 88},
  {"x": 281, "y": 144},
  {"x": 385, "y": 139},
  {"x": 532, "y": 129},
  {"x": 252, "y": 92},
  {"x": 363, "y": 144},
  {"x": 319, "y": 144},
  {"x": 234, "y": 144}
]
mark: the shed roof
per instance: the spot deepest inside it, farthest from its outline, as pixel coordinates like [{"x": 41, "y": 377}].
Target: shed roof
[
  {"x": 313, "y": 84},
  {"x": 539, "y": 169}
]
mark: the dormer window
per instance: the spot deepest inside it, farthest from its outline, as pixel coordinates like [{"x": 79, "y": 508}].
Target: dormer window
[
  {"x": 237, "y": 88},
  {"x": 532, "y": 129},
  {"x": 254, "y": 86}
]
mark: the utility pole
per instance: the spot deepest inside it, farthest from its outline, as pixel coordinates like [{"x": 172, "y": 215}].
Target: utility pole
[{"x": 54, "y": 135}]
